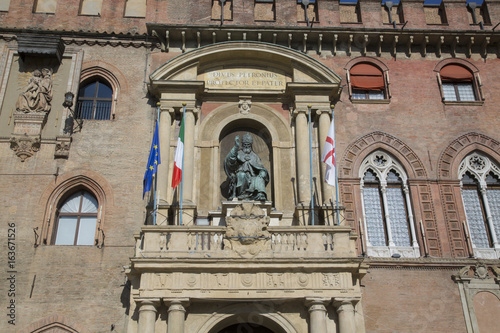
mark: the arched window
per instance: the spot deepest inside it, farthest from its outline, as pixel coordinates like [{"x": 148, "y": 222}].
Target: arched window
[
  {"x": 77, "y": 220},
  {"x": 457, "y": 84},
  {"x": 481, "y": 198},
  {"x": 367, "y": 82},
  {"x": 95, "y": 100},
  {"x": 388, "y": 218}
]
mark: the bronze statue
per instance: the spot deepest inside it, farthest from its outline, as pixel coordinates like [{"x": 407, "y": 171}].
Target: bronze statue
[{"x": 247, "y": 177}]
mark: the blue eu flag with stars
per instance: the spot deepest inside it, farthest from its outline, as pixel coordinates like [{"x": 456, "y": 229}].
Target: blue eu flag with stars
[{"x": 153, "y": 161}]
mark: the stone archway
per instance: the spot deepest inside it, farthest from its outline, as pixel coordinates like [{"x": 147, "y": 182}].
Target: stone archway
[{"x": 247, "y": 316}]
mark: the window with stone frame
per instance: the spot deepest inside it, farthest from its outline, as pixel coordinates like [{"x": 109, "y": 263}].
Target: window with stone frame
[
  {"x": 388, "y": 218},
  {"x": 478, "y": 12},
  {"x": 76, "y": 220},
  {"x": 480, "y": 182},
  {"x": 216, "y": 9},
  {"x": 350, "y": 11},
  {"x": 45, "y": 6},
  {"x": 435, "y": 12},
  {"x": 458, "y": 84},
  {"x": 90, "y": 7},
  {"x": 95, "y": 100},
  {"x": 4, "y": 5},
  {"x": 367, "y": 82},
  {"x": 264, "y": 10},
  {"x": 392, "y": 12},
  {"x": 135, "y": 8},
  {"x": 307, "y": 11}
]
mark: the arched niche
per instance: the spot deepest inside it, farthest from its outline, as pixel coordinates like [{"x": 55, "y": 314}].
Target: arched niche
[{"x": 272, "y": 140}]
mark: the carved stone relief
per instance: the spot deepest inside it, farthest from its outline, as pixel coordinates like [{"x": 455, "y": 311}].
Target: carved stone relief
[
  {"x": 247, "y": 232},
  {"x": 269, "y": 281}
]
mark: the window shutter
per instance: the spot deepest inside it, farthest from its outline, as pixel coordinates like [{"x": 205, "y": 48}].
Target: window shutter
[
  {"x": 456, "y": 73},
  {"x": 367, "y": 77}
]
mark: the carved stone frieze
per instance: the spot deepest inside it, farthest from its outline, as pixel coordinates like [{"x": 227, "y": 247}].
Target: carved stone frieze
[
  {"x": 25, "y": 145},
  {"x": 247, "y": 232},
  {"x": 227, "y": 281}
]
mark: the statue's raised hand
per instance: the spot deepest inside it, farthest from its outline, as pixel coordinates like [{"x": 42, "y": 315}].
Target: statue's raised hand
[{"x": 237, "y": 141}]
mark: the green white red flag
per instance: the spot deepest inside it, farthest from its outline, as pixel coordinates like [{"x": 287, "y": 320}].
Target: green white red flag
[{"x": 178, "y": 159}]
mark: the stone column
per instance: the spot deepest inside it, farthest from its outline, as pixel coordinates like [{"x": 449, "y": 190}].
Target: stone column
[
  {"x": 147, "y": 316},
  {"x": 324, "y": 125},
  {"x": 164, "y": 136},
  {"x": 188, "y": 167},
  {"x": 176, "y": 314},
  {"x": 302, "y": 151},
  {"x": 317, "y": 315},
  {"x": 345, "y": 311}
]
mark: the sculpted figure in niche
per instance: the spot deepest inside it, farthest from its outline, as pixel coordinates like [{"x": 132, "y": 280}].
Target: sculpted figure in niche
[
  {"x": 37, "y": 96},
  {"x": 247, "y": 177}
]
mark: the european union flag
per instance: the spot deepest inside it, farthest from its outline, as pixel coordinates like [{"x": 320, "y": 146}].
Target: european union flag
[{"x": 153, "y": 161}]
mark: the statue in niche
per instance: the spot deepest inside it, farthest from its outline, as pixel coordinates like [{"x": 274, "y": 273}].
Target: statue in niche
[
  {"x": 37, "y": 96},
  {"x": 247, "y": 176}
]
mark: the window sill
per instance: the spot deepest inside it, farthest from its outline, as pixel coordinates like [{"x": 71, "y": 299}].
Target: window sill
[
  {"x": 389, "y": 251},
  {"x": 370, "y": 101},
  {"x": 351, "y": 22},
  {"x": 469, "y": 103}
]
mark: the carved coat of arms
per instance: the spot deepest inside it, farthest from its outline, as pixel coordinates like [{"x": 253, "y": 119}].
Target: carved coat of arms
[{"x": 247, "y": 232}]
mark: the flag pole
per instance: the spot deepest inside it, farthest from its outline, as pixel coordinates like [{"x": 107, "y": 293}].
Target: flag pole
[
  {"x": 155, "y": 210},
  {"x": 335, "y": 158},
  {"x": 309, "y": 107},
  {"x": 182, "y": 173}
]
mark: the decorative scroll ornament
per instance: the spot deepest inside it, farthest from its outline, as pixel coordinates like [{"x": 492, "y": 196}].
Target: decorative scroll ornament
[
  {"x": 25, "y": 145},
  {"x": 247, "y": 232},
  {"x": 37, "y": 96}
]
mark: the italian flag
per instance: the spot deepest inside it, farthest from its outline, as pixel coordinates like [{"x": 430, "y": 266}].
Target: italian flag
[{"x": 178, "y": 159}]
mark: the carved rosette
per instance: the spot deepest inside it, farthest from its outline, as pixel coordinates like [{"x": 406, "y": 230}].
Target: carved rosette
[
  {"x": 247, "y": 232},
  {"x": 25, "y": 145}
]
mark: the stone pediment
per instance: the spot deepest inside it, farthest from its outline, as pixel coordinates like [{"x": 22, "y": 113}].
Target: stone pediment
[{"x": 236, "y": 66}]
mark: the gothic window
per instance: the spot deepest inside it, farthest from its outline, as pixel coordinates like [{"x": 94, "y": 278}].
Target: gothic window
[
  {"x": 457, "y": 84},
  {"x": 388, "y": 219},
  {"x": 435, "y": 12},
  {"x": 367, "y": 82},
  {"x": 95, "y": 100},
  {"x": 76, "y": 220},
  {"x": 481, "y": 198}
]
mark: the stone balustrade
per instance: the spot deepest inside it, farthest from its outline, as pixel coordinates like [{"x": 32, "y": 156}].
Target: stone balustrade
[{"x": 211, "y": 241}]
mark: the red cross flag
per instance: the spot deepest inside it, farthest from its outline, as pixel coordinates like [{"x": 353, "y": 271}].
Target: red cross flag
[{"x": 328, "y": 156}]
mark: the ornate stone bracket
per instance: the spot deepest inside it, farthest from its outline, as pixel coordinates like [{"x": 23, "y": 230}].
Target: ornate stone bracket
[
  {"x": 25, "y": 145},
  {"x": 247, "y": 232},
  {"x": 63, "y": 143},
  {"x": 26, "y": 140}
]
